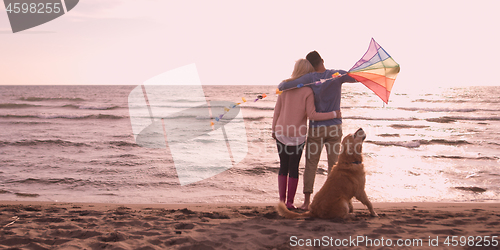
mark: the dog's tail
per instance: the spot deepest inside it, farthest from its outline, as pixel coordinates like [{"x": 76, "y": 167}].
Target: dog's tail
[{"x": 283, "y": 211}]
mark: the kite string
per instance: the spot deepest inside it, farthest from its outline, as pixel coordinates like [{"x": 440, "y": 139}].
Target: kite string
[
  {"x": 278, "y": 92},
  {"x": 321, "y": 81},
  {"x": 227, "y": 109}
]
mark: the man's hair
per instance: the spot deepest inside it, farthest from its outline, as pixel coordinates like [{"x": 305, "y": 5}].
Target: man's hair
[{"x": 314, "y": 58}]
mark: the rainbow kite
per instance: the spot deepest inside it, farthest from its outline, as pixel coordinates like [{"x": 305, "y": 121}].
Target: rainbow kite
[{"x": 376, "y": 70}]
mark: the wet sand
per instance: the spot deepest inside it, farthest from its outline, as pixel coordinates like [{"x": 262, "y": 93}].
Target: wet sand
[{"x": 47, "y": 225}]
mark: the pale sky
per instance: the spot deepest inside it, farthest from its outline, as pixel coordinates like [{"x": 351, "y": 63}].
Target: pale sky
[{"x": 437, "y": 43}]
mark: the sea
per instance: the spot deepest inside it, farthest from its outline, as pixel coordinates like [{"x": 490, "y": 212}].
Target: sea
[{"x": 77, "y": 144}]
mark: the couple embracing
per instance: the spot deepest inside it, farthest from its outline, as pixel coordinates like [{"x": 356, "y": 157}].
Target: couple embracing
[{"x": 319, "y": 103}]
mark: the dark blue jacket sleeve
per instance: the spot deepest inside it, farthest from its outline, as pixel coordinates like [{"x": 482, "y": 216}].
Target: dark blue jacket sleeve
[
  {"x": 305, "y": 79},
  {"x": 345, "y": 77}
]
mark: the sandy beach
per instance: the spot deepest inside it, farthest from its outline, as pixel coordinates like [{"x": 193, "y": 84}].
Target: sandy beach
[{"x": 47, "y": 225}]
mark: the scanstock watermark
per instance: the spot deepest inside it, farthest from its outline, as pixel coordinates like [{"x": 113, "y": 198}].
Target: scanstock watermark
[
  {"x": 171, "y": 111},
  {"x": 26, "y": 14}
]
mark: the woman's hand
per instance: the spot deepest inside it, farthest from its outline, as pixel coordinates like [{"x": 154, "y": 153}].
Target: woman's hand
[
  {"x": 338, "y": 114},
  {"x": 273, "y": 134}
]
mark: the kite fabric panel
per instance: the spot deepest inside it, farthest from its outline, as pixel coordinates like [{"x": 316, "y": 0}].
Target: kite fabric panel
[{"x": 376, "y": 70}]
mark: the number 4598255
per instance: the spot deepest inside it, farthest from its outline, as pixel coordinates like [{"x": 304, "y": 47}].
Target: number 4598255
[
  {"x": 40, "y": 8},
  {"x": 477, "y": 241}
]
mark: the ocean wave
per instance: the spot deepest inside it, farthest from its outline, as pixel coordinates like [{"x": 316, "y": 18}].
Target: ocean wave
[
  {"x": 99, "y": 116},
  {"x": 258, "y": 118},
  {"x": 257, "y": 107},
  {"x": 457, "y": 157},
  {"x": 16, "y": 105},
  {"x": 91, "y": 107},
  {"x": 64, "y": 181},
  {"x": 405, "y": 144},
  {"x": 19, "y": 116},
  {"x": 58, "y": 142},
  {"x": 107, "y": 194},
  {"x": 444, "y": 142},
  {"x": 27, "y": 123},
  {"x": 472, "y": 189},
  {"x": 132, "y": 156},
  {"x": 66, "y": 116},
  {"x": 72, "y": 106},
  {"x": 440, "y": 101},
  {"x": 361, "y": 107},
  {"x": 256, "y": 171},
  {"x": 441, "y": 120},
  {"x": 343, "y": 107},
  {"x": 450, "y": 119},
  {"x": 183, "y": 116},
  {"x": 457, "y": 100},
  {"x": 186, "y": 100},
  {"x": 474, "y": 118},
  {"x": 407, "y": 126},
  {"x": 119, "y": 164},
  {"x": 45, "y": 181},
  {"x": 461, "y": 110},
  {"x": 389, "y": 135},
  {"x": 167, "y": 180},
  {"x": 123, "y": 144},
  {"x": 39, "y": 99},
  {"x": 30, "y": 195},
  {"x": 418, "y": 143},
  {"x": 379, "y": 118}
]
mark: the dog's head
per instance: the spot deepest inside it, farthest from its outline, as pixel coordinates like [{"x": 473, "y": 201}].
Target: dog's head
[{"x": 352, "y": 147}]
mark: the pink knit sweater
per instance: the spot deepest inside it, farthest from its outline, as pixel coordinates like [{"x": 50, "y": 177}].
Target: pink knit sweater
[{"x": 291, "y": 112}]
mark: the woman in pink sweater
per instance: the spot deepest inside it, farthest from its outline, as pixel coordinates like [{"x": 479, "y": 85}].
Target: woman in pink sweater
[{"x": 290, "y": 129}]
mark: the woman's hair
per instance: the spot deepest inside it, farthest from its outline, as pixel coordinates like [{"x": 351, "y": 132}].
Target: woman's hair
[{"x": 302, "y": 67}]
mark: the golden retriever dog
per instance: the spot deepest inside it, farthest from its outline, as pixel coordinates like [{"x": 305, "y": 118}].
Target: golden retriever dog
[{"x": 346, "y": 180}]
